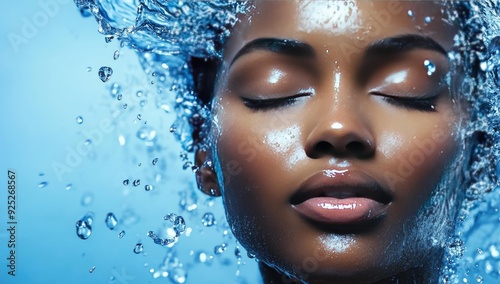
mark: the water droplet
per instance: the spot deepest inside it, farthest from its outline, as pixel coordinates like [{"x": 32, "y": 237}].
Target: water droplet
[
  {"x": 428, "y": 19},
  {"x": 202, "y": 257},
  {"x": 116, "y": 55},
  {"x": 121, "y": 234},
  {"x": 83, "y": 229},
  {"x": 208, "y": 220},
  {"x": 153, "y": 74},
  {"x": 119, "y": 97},
  {"x": 79, "y": 119},
  {"x": 139, "y": 116},
  {"x": 172, "y": 129},
  {"x": 431, "y": 68},
  {"x": 105, "y": 73},
  {"x": 92, "y": 269},
  {"x": 138, "y": 248},
  {"x": 410, "y": 13},
  {"x": 121, "y": 140},
  {"x": 179, "y": 225},
  {"x": 125, "y": 106},
  {"x": 479, "y": 279},
  {"x": 87, "y": 199},
  {"x": 136, "y": 182},
  {"x": 139, "y": 94},
  {"x": 111, "y": 221},
  {"x": 155, "y": 161},
  {"x": 178, "y": 275},
  {"x": 187, "y": 165},
  {"x": 146, "y": 133},
  {"x": 148, "y": 187},
  {"x": 89, "y": 69},
  {"x": 43, "y": 184},
  {"x": 220, "y": 249},
  {"x": 125, "y": 182},
  {"x": 250, "y": 255},
  {"x": 237, "y": 252}
]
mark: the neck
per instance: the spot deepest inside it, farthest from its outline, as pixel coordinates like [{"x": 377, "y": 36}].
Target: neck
[{"x": 428, "y": 274}]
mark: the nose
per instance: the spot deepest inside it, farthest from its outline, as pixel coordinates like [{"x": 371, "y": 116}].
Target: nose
[{"x": 341, "y": 132}]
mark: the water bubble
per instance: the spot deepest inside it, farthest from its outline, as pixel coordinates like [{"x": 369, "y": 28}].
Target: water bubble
[
  {"x": 136, "y": 182},
  {"x": 126, "y": 182},
  {"x": 87, "y": 199},
  {"x": 155, "y": 161},
  {"x": 138, "y": 248},
  {"x": 69, "y": 186},
  {"x": 148, "y": 187},
  {"x": 208, "y": 220},
  {"x": 116, "y": 55},
  {"x": 105, "y": 73},
  {"x": 431, "y": 68},
  {"x": 121, "y": 234},
  {"x": 89, "y": 69},
  {"x": 83, "y": 229},
  {"x": 92, "y": 269},
  {"x": 43, "y": 184},
  {"x": 111, "y": 221},
  {"x": 119, "y": 97}
]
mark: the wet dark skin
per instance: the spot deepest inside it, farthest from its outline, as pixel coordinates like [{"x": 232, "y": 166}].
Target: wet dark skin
[{"x": 315, "y": 87}]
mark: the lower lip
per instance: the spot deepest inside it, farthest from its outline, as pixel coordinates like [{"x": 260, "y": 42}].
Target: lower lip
[{"x": 341, "y": 211}]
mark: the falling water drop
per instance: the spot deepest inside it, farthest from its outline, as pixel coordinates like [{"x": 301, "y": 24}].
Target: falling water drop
[
  {"x": 69, "y": 186},
  {"x": 111, "y": 221},
  {"x": 79, "y": 119},
  {"x": 146, "y": 133},
  {"x": 431, "y": 68},
  {"x": 155, "y": 161},
  {"x": 42, "y": 184},
  {"x": 89, "y": 69},
  {"x": 116, "y": 55},
  {"x": 92, "y": 269},
  {"x": 428, "y": 20},
  {"x": 119, "y": 97},
  {"x": 136, "y": 182},
  {"x": 125, "y": 182},
  {"x": 87, "y": 199},
  {"x": 148, "y": 187},
  {"x": 208, "y": 220},
  {"x": 83, "y": 229},
  {"x": 410, "y": 13},
  {"x": 121, "y": 234},
  {"x": 138, "y": 248},
  {"x": 105, "y": 73},
  {"x": 179, "y": 225}
]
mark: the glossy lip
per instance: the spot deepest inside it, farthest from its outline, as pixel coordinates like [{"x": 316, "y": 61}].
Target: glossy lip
[{"x": 341, "y": 197}]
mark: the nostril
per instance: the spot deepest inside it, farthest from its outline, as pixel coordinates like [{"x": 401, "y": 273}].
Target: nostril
[
  {"x": 323, "y": 147},
  {"x": 357, "y": 148}
]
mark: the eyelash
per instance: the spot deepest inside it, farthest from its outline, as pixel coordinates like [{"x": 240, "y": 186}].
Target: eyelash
[
  {"x": 420, "y": 104},
  {"x": 427, "y": 104},
  {"x": 272, "y": 104}
]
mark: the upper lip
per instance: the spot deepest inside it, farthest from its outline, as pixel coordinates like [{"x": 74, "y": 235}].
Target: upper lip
[{"x": 341, "y": 184}]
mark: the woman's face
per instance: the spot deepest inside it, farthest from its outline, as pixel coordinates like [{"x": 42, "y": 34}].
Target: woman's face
[{"x": 333, "y": 127}]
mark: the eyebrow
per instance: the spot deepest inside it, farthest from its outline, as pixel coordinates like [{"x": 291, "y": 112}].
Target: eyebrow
[
  {"x": 404, "y": 43},
  {"x": 289, "y": 47}
]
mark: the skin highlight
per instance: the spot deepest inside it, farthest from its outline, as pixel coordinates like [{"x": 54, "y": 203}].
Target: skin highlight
[{"x": 295, "y": 103}]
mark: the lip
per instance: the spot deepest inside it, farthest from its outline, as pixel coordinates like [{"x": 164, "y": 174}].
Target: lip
[{"x": 341, "y": 197}]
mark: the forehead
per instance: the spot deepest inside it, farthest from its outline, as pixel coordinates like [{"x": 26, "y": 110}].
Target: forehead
[{"x": 331, "y": 23}]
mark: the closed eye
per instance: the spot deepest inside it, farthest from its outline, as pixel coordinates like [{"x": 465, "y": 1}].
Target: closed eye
[
  {"x": 427, "y": 104},
  {"x": 272, "y": 104}
]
